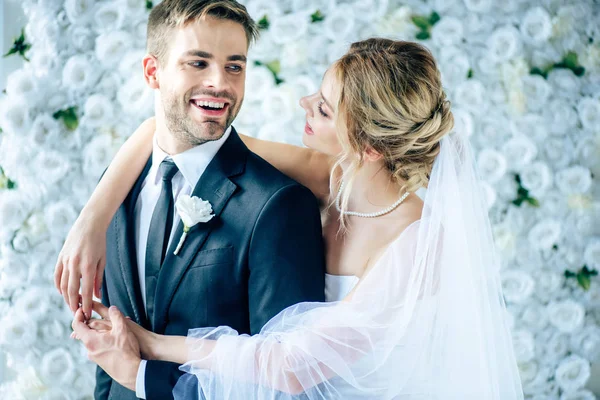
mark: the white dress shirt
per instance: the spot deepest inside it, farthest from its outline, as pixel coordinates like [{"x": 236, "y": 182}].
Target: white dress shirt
[{"x": 191, "y": 164}]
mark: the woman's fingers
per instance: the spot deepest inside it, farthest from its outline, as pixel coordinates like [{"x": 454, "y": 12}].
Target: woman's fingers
[{"x": 101, "y": 309}]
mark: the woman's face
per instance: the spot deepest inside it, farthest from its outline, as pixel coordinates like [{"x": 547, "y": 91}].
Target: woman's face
[{"x": 320, "y": 132}]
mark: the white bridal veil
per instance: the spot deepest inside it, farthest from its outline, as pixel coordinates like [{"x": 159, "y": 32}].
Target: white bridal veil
[{"x": 428, "y": 321}]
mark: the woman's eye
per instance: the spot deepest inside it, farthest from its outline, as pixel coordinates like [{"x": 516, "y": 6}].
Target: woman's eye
[{"x": 320, "y": 107}]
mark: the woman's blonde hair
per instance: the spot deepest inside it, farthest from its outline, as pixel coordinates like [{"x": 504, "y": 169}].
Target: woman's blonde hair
[{"x": 392, "y": 101}]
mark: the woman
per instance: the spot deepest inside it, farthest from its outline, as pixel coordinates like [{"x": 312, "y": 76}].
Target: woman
[{"x": 416, "y": 310}]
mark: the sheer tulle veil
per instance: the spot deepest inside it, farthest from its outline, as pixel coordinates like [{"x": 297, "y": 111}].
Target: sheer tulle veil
[{"x": 428, "y": 321}]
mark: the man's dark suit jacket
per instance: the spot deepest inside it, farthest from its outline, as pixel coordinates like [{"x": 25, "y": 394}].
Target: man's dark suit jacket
[{"x": 261, "y": 253}]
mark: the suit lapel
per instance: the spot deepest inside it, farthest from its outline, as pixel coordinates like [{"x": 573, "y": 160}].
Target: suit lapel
[
  {"x": 125, "y": 218},
  {"x": 215, "y": 187}
]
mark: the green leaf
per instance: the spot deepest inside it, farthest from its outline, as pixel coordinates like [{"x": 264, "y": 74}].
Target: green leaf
[
  {"x": 517, "y": 202},
  {"x": 20, "y": 46},
  {"x": 317, "y": 16},
  {"x": 570, "y": 60},
  {"x": 554, "y": 247},
  {"x": 69, "y": 117},
  {"x": 149, "y": 5},
  {"x": 421, "y": 22},
  {"x": 434, "y": 18},
  {"x": 584, "y": 281},
  {"x": 533, "y": 202},
  {"x": 6, "y": 182},
  {"x": 423, "y": 35},
  {"x": 569, "y": 274},
  {"x": 579, "y": 71},
  {"x": 274, "y": 67},
  {"x": 538, "y": 71},
  {"x": 470, "y": 73},
  {"x": 263, "y": 23}
]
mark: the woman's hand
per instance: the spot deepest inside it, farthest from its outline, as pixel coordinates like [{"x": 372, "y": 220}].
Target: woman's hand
[{"x": 81, "y": 262}]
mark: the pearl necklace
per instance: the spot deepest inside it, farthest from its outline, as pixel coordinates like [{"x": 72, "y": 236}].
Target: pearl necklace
[{"x": 368, "y": 215}]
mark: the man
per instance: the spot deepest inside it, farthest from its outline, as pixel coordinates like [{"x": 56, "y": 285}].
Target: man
[{"x": 260, "y": 253}]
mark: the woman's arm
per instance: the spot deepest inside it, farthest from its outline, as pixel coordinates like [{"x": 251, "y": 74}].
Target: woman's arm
[
  {"x": 309, "y": 167},
  {"x": 82, "y": 257}
]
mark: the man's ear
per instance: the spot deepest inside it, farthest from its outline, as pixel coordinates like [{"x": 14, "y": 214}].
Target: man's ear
[
  {"x": 371, "y": 155},
  {"x": 150, "y": 64}
]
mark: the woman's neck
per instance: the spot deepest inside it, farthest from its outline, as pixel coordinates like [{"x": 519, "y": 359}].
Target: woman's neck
[{"x": 373, "y": 188}]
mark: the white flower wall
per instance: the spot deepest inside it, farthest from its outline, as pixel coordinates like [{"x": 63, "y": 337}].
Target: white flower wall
[{"x": 524, "y": 80}]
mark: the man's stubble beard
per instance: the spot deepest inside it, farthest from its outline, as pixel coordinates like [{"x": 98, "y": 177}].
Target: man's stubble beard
[{"x": 186, "y": 130}]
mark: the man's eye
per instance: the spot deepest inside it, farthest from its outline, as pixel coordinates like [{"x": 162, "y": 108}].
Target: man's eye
[
  {"x": 198, "y": 64},
  {"x": 235, "y": 68}
]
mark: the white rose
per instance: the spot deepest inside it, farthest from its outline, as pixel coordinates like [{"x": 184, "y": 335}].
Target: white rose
[
  {"x": 505, "y": 241},
  {"x": 14, "y": 116},
  {"x": 58, "y": 367},
  {"x": 97, "y": 155},
  {"x": 272, "y": 131},
  {"x": 572, "y": 373},
  {"x": 294, "y": 54},
  {"x": 492, "y": 165},
  {"x": 44, "y": 31},
  {"x": 11, "y": 270},
  {"x": 259, "y": 8},
  {"x": 82, "y": 38},
  {"x": 54, "y": 165},
  {"x": 574, "y": 180},
  {"x": 98, "y": 111},
  {"x": 50, "y": 6},
  {"x": 448, "y": 31},
  {"x": 489, "y": 194},
  {"x": 53, "y": 332},
  {"x": 289, "y": 28},
  {"x": 340, "y": 23},
  {"x": 335, "y": 50},
  {"x": 522, "y": 151},
  {"x": 517, "y": 285},
  {"x": 479, "y": 6},
  {"x": 281, "y": 103},
  {"x": 578, "y": 395},
  {"x": 79, "y": 73},
  {"x": 112, "y": 46},
  {"x": 587, "y": 342},
  {"x": 44, "y": 126},
  {"x": 565, "y": 83},
  {"x": 589, "y": 113},
  {"x": 22, "y": 83},
  {"x": 136, "y": 98},
  {"x": 504, "y": 44},
  {"x": 535, "y": 317},
  {"x": 132, "y": 63},
  {"x": 536, "y": 27},
  {"x": 14, "y": 208},
  {"x": 556, "y": 347},
  {"x": 109, "y": 17},
  {"x": 18, "y": 331},
  {"x": 463, "y": 122},
  {"x": 530, "y": 125},
  {"x": 537, "y": 91},
  {"x": 547, "y": 284},
  {"x": 370, "y": 10},
  {"x": 528, "y": 371},
  {"x": 567, "y": 316},
  {"x": 536, "y": 177},
  {"x": 60, "y": 216},
  {"x": 590, "y": 58},
  {"x": 523, "y": 345},
  {"x": 79, "y": 11},
  {"x": 559, "y": 151},
  {"x": 193, "y": 210},
  {"x": 545, "y": 234},
  {"x": 397, "y": 24},
  {"x": 561, "y": 117},
  {"x": 470, "y": 96},
  {"x": 591, "y": 254},
  {"x": 32, "y": 304},
  {"x": 454, "y": 67},
  {"x": 566, "y": 19}
]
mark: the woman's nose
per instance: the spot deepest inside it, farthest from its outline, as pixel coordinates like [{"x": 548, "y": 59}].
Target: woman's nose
[{"x": 305, "y": 103}]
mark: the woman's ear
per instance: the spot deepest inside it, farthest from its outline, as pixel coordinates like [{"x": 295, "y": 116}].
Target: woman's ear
[
  {"x": 150, "y": 64},
  {"x": 371, "y": 155}
]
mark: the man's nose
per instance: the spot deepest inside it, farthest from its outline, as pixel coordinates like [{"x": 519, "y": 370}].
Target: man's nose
[{"x": 216, "y": 78}]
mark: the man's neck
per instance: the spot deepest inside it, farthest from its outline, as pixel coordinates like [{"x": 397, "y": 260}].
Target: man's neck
[{"x": 168, "y": 143}]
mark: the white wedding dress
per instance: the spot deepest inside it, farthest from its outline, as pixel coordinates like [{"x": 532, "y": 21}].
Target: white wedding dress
[
  {"x": 338, "y": 286},
  {"x": 426, "y": 322}
]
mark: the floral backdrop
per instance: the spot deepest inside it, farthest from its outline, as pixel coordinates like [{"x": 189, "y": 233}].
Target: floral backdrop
[{"x": 524, "y": 80}]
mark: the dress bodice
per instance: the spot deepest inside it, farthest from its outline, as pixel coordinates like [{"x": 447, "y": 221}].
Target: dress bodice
[{"x": 338, "y": 286}]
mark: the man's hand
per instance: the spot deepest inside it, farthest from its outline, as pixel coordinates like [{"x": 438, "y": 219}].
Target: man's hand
[
  {"x": 115, "y": 350},
  {"x": 81, "y": 260}
]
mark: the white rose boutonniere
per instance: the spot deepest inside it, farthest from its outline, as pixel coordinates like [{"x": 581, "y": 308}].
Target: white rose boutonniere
[{"x": 192, "y": 211}]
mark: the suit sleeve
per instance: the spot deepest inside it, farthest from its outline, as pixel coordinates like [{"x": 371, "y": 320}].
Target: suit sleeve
[
  {"x": 103, "y": 380},
  {"x": 286, "y": 257}
]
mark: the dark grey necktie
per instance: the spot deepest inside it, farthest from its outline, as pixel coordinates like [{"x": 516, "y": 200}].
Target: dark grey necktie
[{"x": 160, "y": 231}]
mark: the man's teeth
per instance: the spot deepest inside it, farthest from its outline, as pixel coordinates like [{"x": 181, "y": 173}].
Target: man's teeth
[{"x": 209, "y": 104}]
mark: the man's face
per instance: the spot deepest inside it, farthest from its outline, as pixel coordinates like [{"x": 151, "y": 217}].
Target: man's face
[{"x": 202, "y": 79}]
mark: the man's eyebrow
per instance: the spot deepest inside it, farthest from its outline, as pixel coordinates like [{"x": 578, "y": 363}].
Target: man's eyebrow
[
  {"x": 237, "y": 57},
  {"x": 198, "y": 53}
]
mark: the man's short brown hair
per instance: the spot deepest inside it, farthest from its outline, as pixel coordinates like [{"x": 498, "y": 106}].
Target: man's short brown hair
[{"x": 171, "y": 14}]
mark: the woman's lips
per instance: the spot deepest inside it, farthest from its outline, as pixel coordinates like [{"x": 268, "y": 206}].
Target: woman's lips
[{"x": 308, "y": 130}]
